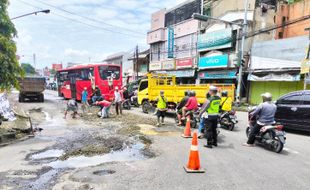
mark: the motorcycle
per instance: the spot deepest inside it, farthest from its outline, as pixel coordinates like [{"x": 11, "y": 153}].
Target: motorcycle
[
  {"x": 192, "y": 115},
  {"x": 228, "y": 120},
  {"x": 271, "y": 136},
  {"x": 126, "y": 104}
]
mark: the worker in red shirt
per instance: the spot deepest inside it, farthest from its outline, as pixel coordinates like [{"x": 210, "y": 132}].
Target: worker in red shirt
[
  {"x": 192, "y": 104},
  {"x": 105, "y": 107}
]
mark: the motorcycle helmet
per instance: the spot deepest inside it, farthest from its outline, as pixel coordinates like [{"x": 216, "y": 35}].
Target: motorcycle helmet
[
  {"x": 267, "y": 97},
  {"x": 224, "y": 93},
  {"x": 193, "y": 93},
  {"x": 213, "y": 89}
]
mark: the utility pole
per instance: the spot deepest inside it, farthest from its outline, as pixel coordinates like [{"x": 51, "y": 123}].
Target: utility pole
[
  {"x": 137, "y": 60},
  {"x": 34, "y": 61},
  {"x": 238, "y": 93}
]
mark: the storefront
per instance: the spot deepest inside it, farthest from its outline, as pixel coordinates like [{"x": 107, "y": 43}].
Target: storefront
[{"x": 275, "y": 67}]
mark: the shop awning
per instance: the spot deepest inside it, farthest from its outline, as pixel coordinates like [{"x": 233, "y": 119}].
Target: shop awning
[
  {"x": 273, "y": 77},
  {"x": 179, "y": 73}
]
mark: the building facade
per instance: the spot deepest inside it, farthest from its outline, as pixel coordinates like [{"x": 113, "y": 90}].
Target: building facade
[{"x": 173, "y": 41}]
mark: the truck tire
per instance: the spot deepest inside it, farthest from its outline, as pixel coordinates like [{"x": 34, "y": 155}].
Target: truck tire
[
  {"x": 42, "y": 98},
  {"x": 145, "y": 106},
  {"x": 20, "y": 98}
]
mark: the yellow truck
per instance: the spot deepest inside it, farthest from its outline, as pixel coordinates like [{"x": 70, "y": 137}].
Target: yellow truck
[{"x": 150, "y": 87}]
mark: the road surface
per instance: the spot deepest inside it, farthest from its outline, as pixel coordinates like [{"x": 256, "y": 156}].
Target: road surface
[{"x": 228, "y": 166}]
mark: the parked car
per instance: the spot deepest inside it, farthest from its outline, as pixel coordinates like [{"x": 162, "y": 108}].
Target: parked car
[{"x": 293, "y": 110}]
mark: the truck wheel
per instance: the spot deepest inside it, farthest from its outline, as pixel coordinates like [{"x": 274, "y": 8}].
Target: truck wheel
[
  {"x": 42, "y": 98},
  {"x": 145, "y": 106},
  {"x": 20, "y": 98}
]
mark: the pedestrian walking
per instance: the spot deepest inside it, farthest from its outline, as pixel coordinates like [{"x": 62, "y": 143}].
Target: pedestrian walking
[
  {"x": 85, "y": 104},
  {"x": 118, "y": 101},
  {"x": 161, "y": 108}
]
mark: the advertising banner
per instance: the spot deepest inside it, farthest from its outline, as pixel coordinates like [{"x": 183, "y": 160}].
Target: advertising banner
[
  {"x": 184, "y": 63},
  {"x": 217, "y": 75},
  {"x": 168, "y": 65},
  {"x": 213, "y": 61},
  {"x": 170, "y": 42},
  {"x": 155, "y": 66},
  {"x": 215, "y": 40}
]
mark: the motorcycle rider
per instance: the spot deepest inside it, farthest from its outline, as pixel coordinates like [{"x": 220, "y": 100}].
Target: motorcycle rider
[
  {"x": 181, "y": 105},
  {"x": 191, "y": 105},
  {"x": 212, "y": 109},
  {"x": 265, "y": 113},
  {"x": 226, "y": 102}
]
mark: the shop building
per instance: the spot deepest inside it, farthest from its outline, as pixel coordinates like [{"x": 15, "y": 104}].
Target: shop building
[{"x": 173, "y": 40}]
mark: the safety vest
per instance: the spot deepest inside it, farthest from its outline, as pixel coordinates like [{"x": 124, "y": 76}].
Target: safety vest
[
  {"x": 214, "y": 107},
  {"x": 161, "y": 104}
]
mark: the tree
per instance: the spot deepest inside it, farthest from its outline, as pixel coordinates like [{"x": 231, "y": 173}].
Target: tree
[
  {"x": 28, "y": 69},
  {"x": 10, "y": 69}
]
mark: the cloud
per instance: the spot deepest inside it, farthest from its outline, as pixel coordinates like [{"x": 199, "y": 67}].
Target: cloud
[{"x": 75, "y": 53}]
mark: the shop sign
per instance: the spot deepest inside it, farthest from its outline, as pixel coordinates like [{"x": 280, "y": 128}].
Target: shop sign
[
  {"x": 217, "y": 75},
  {"x": 184, "y": 63},
  {"x": 155, "y": 66},
  {"x": 168, "y": 65},
  {"x": 170, "y": 42},
  {"x": 305, "y": 66},
  {"x": 180, "y": 73},
  {"x": 213, "y": 61},
  {"x": 215, "y": 40}
]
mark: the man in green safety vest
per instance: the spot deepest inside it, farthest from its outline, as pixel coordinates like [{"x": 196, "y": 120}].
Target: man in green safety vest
[
  {"x": 212, "y": 109},
  {"x": 161, "y": 108}
]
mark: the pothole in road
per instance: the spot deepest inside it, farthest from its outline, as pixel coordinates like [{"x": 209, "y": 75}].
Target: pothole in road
[
  {"x": 103, "y": 172},
  {"x": 132, "y": 153}
]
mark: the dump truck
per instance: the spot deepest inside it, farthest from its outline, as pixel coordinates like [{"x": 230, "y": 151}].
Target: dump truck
[
  {"x": 31, "y": 88},
  {"x": 150, "y": 87}
]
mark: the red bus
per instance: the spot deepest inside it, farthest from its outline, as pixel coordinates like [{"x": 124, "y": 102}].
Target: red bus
[{"x": 71, "y": 81}]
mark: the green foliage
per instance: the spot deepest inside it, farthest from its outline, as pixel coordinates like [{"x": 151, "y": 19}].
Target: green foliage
[
  {"x": 10, "y": 69},
  {"x": 52, "y": 71},
  {"x": 28, "y": 69}
]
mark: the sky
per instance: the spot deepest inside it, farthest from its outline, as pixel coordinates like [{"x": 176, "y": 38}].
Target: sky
[{"x": 81, "y": 30}]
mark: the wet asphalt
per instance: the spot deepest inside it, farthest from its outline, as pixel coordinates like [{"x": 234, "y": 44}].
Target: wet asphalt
[{"x": 228, "y": 166}]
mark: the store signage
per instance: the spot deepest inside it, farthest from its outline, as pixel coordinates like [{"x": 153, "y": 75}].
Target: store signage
[
  {"x": 217, "y": 75},
  {"x": 155, "y": 66},
  {"x": 168, "y": 65},
  {"x": 215, "y": 40},
  {"x": 213, "y": 61},
  {"x": 305, "y": 66},
  {"x": 180, "y": 73},
  {"x": 184, "y": 63},
  {"x": 170, "y": 42}
]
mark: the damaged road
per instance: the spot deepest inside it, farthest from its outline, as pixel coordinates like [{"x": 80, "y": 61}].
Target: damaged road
[{"x": 63, "y": 146}]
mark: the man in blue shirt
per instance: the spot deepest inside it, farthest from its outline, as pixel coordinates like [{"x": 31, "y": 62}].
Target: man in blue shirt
[{"x": 84, "y": 100}]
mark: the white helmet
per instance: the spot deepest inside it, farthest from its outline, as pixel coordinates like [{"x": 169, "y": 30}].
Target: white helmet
[
  {"x": 213, "y": 88},
  {"x": 266, "y": 96}
]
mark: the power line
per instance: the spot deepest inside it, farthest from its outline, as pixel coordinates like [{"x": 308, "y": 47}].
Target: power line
[
  {"x": 81, "y": 22},
  {"x": 88, "y": 18}
]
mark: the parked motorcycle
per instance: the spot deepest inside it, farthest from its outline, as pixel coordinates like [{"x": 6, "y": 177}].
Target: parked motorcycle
[
  {"x": 126, "y": 104},
  {"x": 271, "y": 136},
  {"x": 228, "y": 120}
]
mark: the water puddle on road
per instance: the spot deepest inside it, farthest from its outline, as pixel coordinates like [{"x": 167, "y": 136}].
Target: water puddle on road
[
  {"x": 128, "y": 154},
  {"x": 54, "y": 153}
]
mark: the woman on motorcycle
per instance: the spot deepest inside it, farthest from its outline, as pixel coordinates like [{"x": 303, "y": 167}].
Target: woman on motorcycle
[{"x": 265, "y": 113}]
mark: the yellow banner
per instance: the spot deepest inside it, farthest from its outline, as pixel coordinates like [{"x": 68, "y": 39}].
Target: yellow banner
[{"x": 305, "y": 66}]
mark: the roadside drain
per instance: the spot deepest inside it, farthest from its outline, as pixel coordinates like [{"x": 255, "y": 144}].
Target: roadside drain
[{"x": 103, "y": 172}]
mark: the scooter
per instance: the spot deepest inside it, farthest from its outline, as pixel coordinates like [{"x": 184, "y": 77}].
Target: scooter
[
  {"x": 126, "y": 104},
  {"x": 193, "y": 116},
  {"x": 228, "y": 120},
  {"x": 271, "y": 136}
]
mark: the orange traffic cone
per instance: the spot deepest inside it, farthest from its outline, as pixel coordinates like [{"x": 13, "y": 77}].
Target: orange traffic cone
[
  {"x": 187, "y": 130},
  {"x": 193, "y": 165}
]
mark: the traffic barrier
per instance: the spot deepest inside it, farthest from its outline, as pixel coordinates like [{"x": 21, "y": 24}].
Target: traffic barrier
[
  {"x": 193, "y": 165},
  {"x": 187, "y": 130}
]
